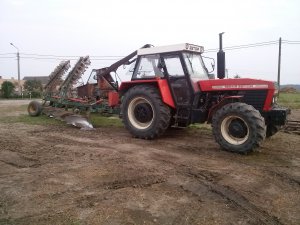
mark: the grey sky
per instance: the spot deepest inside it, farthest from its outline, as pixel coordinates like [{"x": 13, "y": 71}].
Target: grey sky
[{"x": 118, "y": 27}]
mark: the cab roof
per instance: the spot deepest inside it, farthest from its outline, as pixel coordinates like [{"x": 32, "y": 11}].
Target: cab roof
[{"x": 171, "y": 48}]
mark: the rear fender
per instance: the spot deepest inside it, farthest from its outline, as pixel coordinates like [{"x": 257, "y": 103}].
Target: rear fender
[
  {"x": 161, "y": 84},
  {"x": 224, "y": 101}
]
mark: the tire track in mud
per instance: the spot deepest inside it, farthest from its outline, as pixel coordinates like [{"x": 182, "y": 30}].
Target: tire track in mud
[
  {"x": 209, "y": 180},
  {"x": 240, "y": 202},
  {"x": 138, "y": 182},
  {"x": 285, "y": 178},
  {"x": 281, "y": 176},
  {"x": 18, "y": 160}
]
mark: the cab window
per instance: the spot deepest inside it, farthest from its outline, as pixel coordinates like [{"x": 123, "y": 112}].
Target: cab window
[
  {"x": 195, "y": 66},
  {"x": 148, "y": 67},
  {"x": 173, "y": 66}
]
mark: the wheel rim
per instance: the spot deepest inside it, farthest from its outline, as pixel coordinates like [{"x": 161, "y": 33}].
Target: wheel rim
[
  {"x": 140, "y": 113},
  {"x": 235, "y": 130},
  {"x": 32, "y": 108}
]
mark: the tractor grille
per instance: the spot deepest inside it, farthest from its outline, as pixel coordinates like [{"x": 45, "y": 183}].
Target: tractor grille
[{"x": 256, "y": 98}]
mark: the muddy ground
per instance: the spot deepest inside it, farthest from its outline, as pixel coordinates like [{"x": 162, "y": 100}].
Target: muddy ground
[{"x": 58, "y": 174}]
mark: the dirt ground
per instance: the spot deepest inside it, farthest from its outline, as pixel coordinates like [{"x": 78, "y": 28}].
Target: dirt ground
[{"x": 52, "y": 174}]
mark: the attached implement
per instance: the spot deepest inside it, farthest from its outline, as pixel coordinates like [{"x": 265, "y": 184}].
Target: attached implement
[
  {"x": 292, "y": 126},
  {"x": 170, "y": 86}
]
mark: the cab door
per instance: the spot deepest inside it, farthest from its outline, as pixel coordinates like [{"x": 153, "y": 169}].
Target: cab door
[{"x": 178, "y": 80}]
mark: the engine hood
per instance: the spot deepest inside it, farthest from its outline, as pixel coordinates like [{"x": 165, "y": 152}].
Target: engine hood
[{"x": 235, "y": 84}]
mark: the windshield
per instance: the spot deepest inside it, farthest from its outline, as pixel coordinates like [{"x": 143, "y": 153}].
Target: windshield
[{"x": 195, "y": 66}]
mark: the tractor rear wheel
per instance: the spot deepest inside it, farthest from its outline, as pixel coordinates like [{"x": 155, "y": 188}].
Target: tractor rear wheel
[
  {"x": 34, "y": 108},
  {"x": 143, "y": 112},
  {"x": 238, "y": 127}
]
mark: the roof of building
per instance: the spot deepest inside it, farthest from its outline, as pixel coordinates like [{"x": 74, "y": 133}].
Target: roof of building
[
  {"x": 171, "y": 48},
  {"x": 44, "y": 79}
]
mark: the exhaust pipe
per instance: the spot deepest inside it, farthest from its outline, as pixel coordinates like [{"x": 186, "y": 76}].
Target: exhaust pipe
[{"x": 221, "y": 59}]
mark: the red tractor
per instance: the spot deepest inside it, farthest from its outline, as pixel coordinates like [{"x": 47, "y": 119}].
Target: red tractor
[{"x": 170, "y": 86}]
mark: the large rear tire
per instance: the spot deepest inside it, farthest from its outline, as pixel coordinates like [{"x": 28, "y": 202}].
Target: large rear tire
[
  {"x": 238, "y": 127},
  {"x": 143, "y": 112},
  {"x": 34, "y": 108}
]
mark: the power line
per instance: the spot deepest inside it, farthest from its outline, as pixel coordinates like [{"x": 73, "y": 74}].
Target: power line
[
  {"x": 235, "y": 47},
  {"x": 96, "y": 57},
  {"x": 53, "y": 58},
  {"x": 35, "y": 56},
  {"x": 7, "y": 53},
  {"x": 45, "y": 58},
  {"x": 7, "y": 57},
  {"x": 291, "y": 42},
  {"x": 71, "y": 56}
]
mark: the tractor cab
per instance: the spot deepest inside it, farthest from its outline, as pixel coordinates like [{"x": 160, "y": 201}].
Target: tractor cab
[{"x": 180, "y": 65}]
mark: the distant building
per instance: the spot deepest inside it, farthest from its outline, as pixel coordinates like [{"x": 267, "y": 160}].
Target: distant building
[{"x": 43, "y": 79}]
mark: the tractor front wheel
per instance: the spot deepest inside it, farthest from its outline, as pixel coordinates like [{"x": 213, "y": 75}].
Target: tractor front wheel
[
  {"x": 238, "y": 127},
  {"x": 143, "y": 112}
]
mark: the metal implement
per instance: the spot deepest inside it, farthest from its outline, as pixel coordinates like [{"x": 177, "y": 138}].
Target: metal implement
[
  {"x": 79, "y": 121},
  {"x": 66, "y": 95},
  {"x": 74, "y": 75},
  {"x": 292, "y": 126},
  {"x": 69, "y": 117},
  {"x": 55, "y": 78}
]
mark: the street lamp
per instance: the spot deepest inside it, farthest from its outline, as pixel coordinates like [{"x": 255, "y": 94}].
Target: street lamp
[{"x": 18, "y": 59}]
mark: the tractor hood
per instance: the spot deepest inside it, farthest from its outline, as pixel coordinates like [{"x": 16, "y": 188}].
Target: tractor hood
[{"x": 235, "y": 84}]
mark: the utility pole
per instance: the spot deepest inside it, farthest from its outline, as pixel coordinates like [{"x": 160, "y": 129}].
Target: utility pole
[
  {"x": 18, "y": 59},
  {"x": 279, "y": 65}
]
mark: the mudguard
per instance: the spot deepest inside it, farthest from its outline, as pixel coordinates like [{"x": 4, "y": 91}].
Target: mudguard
[{"x": 162, "y": 85}]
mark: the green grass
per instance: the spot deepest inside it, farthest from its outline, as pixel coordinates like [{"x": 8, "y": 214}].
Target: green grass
[
  {"x": 38, "y": 120},
  {"x": 103, "y": 121},
  {"x": 291, "y": 100},
  {"x": 202, "y": 128},
  {"x": 96, "y": 120}
]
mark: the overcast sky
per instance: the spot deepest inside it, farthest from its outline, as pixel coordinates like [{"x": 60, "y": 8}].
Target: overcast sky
[{"x": 118, "y": 27}]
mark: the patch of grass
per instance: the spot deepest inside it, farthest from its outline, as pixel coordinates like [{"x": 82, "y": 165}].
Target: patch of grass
[
  {"x": 202, "y": 128},
  {"x": 74, "y": 222},
  {"x": 291, "y": 100},
  {"x": 96, "y": 120},
  {"x": 103, "y": 121},
  {"x": 38, "y": 120}
]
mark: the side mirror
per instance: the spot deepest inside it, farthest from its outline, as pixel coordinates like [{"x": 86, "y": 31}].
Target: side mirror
[{"x": 212, "y": 64}]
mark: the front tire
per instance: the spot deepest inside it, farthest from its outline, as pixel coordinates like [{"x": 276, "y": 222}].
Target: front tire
[
  {"x": 238, "y": 127},
  {"x": 143, "y": 112}
]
